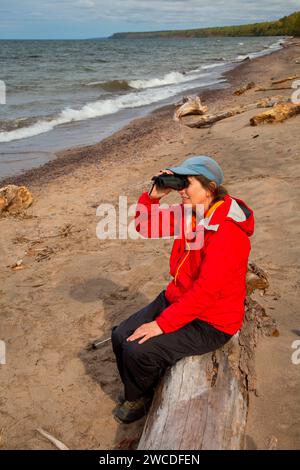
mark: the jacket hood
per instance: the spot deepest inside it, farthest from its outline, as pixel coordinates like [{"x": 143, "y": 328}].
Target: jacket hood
[{"x": 234, "y": 210}]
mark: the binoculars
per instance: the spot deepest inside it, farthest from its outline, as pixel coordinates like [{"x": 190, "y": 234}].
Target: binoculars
[{"x": 176, "y": 182}]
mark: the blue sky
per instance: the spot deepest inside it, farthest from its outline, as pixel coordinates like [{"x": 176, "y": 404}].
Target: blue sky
[{"x": 50, "y": 19}]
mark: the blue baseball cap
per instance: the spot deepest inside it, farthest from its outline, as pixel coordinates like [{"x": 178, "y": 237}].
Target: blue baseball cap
[{"x": 201, "y": 165}]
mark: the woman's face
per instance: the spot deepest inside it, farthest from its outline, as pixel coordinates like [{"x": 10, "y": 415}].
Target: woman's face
[{"x": 195, "y": 193}]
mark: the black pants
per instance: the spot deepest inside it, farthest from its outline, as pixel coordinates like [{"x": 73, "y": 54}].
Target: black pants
[{"x": 141, "y": 365}]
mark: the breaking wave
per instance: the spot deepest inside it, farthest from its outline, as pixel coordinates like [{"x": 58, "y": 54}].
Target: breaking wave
[
  {"x": 112, "y": 85},
  {"x": 100, "y": 108}
]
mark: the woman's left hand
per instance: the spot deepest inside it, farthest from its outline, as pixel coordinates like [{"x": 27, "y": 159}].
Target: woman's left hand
[{"x": 146, "y": 331}]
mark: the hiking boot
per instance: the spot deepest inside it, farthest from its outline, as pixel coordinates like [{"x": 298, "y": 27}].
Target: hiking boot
[
  {"x": 121, "y": 398},
  {"x": 131, "y": 411}
]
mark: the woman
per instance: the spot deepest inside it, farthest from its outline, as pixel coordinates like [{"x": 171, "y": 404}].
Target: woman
[{"x": 203, "y": 306}]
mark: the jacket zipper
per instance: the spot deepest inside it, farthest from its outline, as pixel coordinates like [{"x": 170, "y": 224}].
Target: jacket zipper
[
  {"x": 209, "y": 212},
  {"x": 177, "y": 271}
]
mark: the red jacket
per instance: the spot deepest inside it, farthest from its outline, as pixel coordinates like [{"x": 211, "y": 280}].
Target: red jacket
[{"x": 208, "y": 283}]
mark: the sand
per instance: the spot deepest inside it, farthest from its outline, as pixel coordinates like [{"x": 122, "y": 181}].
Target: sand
[{"x": 74, "y": 287}]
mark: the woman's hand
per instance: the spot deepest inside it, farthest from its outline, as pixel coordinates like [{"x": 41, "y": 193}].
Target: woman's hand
[
  {"x": 146, "y": 331},
  {"x": 159, "y": 193}
]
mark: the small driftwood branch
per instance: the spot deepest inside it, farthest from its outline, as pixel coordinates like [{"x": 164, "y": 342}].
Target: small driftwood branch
[
  {"x": 293, "y": 77},
  {"x": 272, "y": 443},
  {"x": 208, "y": 120},
  {"x": 278, "y": 113},
  {"x": 60, "y": 445},
  {"x": 189, "y": 105},
  {"x": 272, "y": 89}
]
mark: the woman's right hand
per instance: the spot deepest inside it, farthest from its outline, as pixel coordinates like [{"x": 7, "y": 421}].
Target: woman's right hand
[{"x": 158, "y": 193}]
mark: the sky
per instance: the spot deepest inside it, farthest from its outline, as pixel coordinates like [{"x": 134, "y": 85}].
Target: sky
[{"x": 80, "y": 19}]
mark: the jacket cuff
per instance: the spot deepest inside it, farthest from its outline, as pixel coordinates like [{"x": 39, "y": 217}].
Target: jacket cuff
[
  {"x": 148, "y": 199},
  {"x": 163, "y": 325}
]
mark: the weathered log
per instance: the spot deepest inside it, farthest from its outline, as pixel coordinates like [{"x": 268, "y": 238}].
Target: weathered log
[
  {"x": 278, "y": 113},
  {"x": 14, "y": 199},
  {"x": 189, "y": 105},
  {"x": 199, "y": 405},
  {"x": 243, "y": 89},
  {"x": 201, "y": 402},
  {"x": 211, "y": 119}
]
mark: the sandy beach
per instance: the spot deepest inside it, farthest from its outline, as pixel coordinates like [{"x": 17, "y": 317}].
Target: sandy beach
[{"x": 73, "y": 287}]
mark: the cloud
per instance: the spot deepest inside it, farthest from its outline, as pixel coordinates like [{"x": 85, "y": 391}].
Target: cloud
[
  {"x": 218, "y": 11},
  {"x": 86, "y": 3},
  {"x": 126, "y": 15}
]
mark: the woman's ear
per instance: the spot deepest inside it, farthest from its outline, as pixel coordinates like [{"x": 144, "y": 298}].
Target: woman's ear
[{"x": 213, "y": 186}]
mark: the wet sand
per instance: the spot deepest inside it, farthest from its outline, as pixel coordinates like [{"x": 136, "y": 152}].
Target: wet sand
[{"x": 74, "y": 287}]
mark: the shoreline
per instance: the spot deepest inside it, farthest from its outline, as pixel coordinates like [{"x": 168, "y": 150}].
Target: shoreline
[
  {"x": 70, "y": 158},
  {"x": 72, "y": 287}
]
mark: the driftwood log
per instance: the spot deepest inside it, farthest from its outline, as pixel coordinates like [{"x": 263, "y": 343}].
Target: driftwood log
[
  {"x": 189, "y": 105},
  {"x": 14, "y": 199},
  {"x": 211, "y": 119},
  {"x": 243, "y": 89},
  {"x": 201, "y": 402},
  {"x": 278, "y": 113}
]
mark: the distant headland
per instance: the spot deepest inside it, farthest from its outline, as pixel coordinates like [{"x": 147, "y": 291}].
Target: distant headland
[{"x": 286, "y": 26}]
